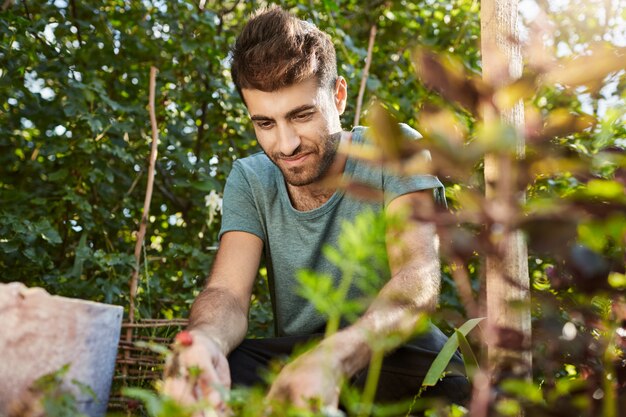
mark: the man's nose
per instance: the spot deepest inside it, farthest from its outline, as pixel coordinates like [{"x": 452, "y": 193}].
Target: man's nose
[{"x": 288, "y": 139}]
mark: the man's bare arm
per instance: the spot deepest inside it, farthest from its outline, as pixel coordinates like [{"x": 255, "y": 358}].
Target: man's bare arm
[
  {"x": 412, "y": 289},
  {"x": 218, "y": 321},
  {"x": 221, "y": 309}
]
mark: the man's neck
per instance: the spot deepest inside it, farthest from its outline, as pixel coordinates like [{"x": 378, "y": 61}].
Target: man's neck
[{"x": 314, "y": 195}]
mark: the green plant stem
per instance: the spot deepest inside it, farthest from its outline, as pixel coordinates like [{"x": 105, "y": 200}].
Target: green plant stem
[
  {"x": 342, "y": 291},
  {"x": 371, "y": 383},
  {"x": 609, "y": 403},
  {"x": 147, "y": 278}
]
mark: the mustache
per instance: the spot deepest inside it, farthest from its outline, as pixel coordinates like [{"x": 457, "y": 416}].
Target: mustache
[
  {"x": 332, "y": 141},
  {"x": 296, "y": 152}
]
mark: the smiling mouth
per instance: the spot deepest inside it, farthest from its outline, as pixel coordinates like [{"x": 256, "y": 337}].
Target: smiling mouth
[{"x": 296, "y": 159}]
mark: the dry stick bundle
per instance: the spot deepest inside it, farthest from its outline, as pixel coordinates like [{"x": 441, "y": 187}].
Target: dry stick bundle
[
  {"x": 149, "y": 323},
  {"x": 368, "y": 61},
  {"x": 134, "y": 280}
]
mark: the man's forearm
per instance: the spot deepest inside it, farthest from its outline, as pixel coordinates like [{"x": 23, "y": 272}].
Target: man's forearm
[
  {"x": 412, "y": 290},
  {"x": 393, "y": 315},
  {"x": 218, "y": 315}
]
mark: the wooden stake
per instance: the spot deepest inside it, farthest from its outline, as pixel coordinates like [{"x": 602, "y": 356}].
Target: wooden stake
[
  {"x": 508, "y": 283},
  {"x": 134, "y": 280},
  {"x": 368, "y": 61}
]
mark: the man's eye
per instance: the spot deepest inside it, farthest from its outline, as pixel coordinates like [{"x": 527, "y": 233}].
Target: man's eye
[
  {"x": 264, "y": 125},
  {"x": 303, "y": 116}
]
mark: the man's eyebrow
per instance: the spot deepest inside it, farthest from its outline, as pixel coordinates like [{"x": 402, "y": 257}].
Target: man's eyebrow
[
  {"x": 290, "y": 113},
  {"x": 300, "y": 109},
  {"x": 260, "y": 117}
]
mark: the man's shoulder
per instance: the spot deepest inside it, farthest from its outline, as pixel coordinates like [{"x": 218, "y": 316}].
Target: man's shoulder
[{"x": 363, "y": 134}]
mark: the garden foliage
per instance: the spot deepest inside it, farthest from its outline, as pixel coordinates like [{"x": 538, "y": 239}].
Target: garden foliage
[{"x": 75, "y": 138}]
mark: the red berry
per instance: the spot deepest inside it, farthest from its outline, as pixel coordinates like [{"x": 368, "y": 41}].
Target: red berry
[{"x": 184, "y": 338}]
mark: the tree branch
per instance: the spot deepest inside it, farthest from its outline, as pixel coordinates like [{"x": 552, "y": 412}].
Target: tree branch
[
  {"x": 130, "y": 190},
  {"x": 200, "y": 136},
  {"x": 75, "y": 17},
  {"x": 368, "y": 61},
  {"x": 464, "y": 287},
  {"x": 146, "y": 207},
  {"x": 6, "y": 4},
  {"x": 166, "y": 190},
  {"x": 26, "y": 10}
]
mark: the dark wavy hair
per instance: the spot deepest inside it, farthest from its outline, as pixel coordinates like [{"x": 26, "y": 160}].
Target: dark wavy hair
[{"x": 276, "y": 50}]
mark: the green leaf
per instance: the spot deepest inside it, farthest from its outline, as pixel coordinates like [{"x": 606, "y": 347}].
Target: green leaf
[
  {"x": 612, "y": 190},
  {"x": 82, "y": 253},
  {"x": 58, "y": 175},
  {"x": 524, "y": 389},
  {"x": 331, "y": 5},
  {"x": 48, "y": 232},
  {"x": 152, "y": 402},
  {"x": 158, "y": 348},
  {"x": 31, "y": 254},
  {"x": 49, "y": 381},
  {"x": 469, "y": 359},
  {"x": 210, "y": 184},
  {"x": 95, "y": 124},
  {"x": 9, "y": 247},
  {"x": 443, "y": 358},
  {"x": 85, "y": 389},
  {"x": 617, "y": 280}
]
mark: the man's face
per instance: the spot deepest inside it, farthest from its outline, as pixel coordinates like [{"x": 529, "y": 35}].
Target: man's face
[{"x": 298, "y": 127}]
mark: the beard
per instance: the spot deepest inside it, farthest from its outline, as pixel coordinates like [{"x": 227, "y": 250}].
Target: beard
[{"x": 318, "y": 162}]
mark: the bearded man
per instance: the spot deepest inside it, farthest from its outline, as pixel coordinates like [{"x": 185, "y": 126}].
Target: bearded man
[{"x": 278, "y": 205}]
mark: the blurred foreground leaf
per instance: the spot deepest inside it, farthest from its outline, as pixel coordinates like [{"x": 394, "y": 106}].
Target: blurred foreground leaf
[{"x": 443, "y": 358}]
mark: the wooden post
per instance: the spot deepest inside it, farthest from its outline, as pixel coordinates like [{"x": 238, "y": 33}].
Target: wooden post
[
  {"x": 508, "y": 295},
  {"x": 143, "y": 223}
]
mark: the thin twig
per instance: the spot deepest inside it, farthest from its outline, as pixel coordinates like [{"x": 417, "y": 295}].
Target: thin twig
[
  {"x": 26, "y": 10},
  {"x": 481, "y": 393},
  {"x": 6, "y": 5},
  {"x": 165, "y": 186},
  {"x": 368, "y": 61},
  {"x": 203, "y": 115},
  {"x": 146, "y": 206},
  {"x": 464, "y": 287},
  {"x": 162, "y": 321},
  {"x": 461, "y": 32},
  {"x": 230, "y": 9},
  {"x": 75, "y": 17},
  {"x": 132, "y": 378},
  {"x": 150, "y": 325},
  {"x": 129, "y": 192}
]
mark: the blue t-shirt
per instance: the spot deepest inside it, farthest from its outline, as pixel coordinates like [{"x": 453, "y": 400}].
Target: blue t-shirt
[{"x": 256, "y": 201}]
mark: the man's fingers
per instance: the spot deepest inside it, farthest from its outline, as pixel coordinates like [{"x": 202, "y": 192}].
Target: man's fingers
[
  {"x": 285, "y": 393},
  {"x": 201, "y": 374},
  {"x": 189, "y": 390},
  {"x": 223, "y": 372},
  {"x": 179, "y": 390},
  {"x": 208, "y": 387},
  {"x": 186, "y": 395}
]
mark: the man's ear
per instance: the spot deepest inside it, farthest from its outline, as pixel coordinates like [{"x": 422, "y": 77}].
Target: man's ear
[{"x": 341, "y": 94}]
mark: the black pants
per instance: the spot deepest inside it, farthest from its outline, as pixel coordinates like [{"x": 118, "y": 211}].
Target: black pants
[{"x": 402, "y": 373}]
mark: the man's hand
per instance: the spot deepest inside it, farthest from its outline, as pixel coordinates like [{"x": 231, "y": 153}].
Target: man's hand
[
  {"x": 198, "y": 372},
  {"x": 312, "y": 381}
]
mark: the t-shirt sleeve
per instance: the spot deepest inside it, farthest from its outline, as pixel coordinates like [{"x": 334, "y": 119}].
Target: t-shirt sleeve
[
  {"x": 395, "y": 185},
  {"x": 239, "y": 209}
]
